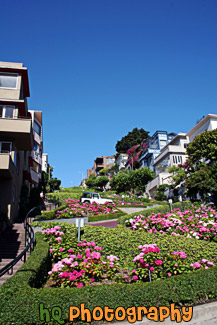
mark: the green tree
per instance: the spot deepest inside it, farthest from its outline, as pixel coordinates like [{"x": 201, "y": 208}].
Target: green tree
[
  {"x": 132, "y": 180},
  {"x": 114, "y": 170},
  {"x": 159, "y": 193},
  {"x": 136, "y": 136},
  {"x": 91, "y": 181},
  {"x": 104, "y": 171},
  {"x": 177, "y": 174},
  {"x": 101, "y": 182},
  {"x": 140, "y": 178},
  {"x": 44, "y": 182},
  {"x": 54, "y": 184},
  {"x": 201, "y": 166},
  {"x": 203, "y": 148},
  {"x": 121, "y": 182}
]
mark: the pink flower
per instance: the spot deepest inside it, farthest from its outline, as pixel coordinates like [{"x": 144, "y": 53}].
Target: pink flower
[
  {"x": 79, "y": 285},
  {"x": 61, "y": 249},
  {"x": 70, "y": 250},
  {"x": 135, "y": 277},
  {"x": 169, "y": 274},
  {"x": 158, "y": 262},
  {"x": 151, "y": 269},
  {"x": 196, "y": 265},
  {"x": 51, "y": 250},
  {"x": 58, "y": 239}
]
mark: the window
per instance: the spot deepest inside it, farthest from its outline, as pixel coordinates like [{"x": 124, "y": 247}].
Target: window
[
  {"x": 37, "y": 128},
  {"x": 8, "y": 81},
  {"x": 35, "y": 167},
  {"x": 5, "y": 147},
  {"x": 36, "y": 147},
  {"x": 177, "y": 160},
  {"x": 95, "y": 196},
  {"x": 87, "y": 195},
  {"x": 110, "y": 161},
  {"x": 163, "y": 143},
  {"x": 7, "y": 111}
]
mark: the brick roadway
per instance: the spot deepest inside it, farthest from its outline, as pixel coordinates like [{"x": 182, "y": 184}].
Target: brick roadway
[{"x": 109, "y": 223}]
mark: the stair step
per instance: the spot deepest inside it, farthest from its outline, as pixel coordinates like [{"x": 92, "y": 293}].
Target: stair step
[{"x": 12, "y": 244}]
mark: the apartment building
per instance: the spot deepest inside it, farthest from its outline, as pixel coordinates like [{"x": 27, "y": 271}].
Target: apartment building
[
  {"x": 100, "y": 163},
  {"x": 173, "y": 154},
  {"x": 16, "y": 137},
  {"x": 122, "y": 160},
  {"x": 45, "y": 162},
  {"x": 208, "y": 123},
  {"x": 36, "y": 154},
  {"x": 153, "y": 147}
]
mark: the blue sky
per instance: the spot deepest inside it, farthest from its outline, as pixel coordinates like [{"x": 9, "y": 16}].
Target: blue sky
[{"x": 99, "y": 68}]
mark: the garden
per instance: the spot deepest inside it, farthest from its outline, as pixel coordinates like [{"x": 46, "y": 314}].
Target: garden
[
  {"x": 133, "y": 265},
  {"x": 196, "y": 222},
  {"x": 118, "y": 256}
]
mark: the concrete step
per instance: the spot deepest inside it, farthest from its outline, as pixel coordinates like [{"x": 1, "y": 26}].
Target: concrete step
[{"x": 12, "y": 244}]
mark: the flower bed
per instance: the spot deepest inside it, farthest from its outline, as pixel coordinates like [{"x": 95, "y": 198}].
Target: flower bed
[
  {"x": 199, "y": 223},
  {"x": 123, "y": 203},
  {"x": 76, "y": 209},
  {"x": 89, "y": 263}
]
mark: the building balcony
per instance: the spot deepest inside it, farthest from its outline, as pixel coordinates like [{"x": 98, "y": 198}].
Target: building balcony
[
  {"x": 37, "y": 137},
  {"x": 99, "y": 166},
  {"x": 19, "y": 131},
  {"x": 7, "y": 167},
  {"x": 170, "y": 149},
  {"x": 34, "y": 176},
  {"x": 36, "y": 157}
]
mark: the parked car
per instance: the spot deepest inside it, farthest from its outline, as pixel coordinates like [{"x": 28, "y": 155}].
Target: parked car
[{"x": 89, "y": 197}]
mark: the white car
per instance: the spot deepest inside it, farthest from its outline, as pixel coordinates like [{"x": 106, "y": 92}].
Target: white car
[{"x": 89, "y": 197}]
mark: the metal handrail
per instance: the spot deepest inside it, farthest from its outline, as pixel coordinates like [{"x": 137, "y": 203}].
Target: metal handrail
[{"x": 29, "y": 243}]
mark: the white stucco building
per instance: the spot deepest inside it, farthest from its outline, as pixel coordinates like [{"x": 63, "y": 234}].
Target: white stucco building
[{"x": 174, "y": 153}]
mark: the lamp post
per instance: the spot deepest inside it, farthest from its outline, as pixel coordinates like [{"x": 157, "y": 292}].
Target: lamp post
[
  {"x": 82, "y": 177},
  {"x": 170, "y": 203}
]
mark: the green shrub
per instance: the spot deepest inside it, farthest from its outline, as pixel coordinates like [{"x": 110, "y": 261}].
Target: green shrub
[
  {"x": 107, "y": 216},
  {"x": 49, "y": 215},
  {"x": 53, "y": 197}
]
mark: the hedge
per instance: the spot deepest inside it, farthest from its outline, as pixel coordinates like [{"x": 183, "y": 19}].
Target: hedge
[
  {"x": 107, "y": 216},
  {"x": 20, "y": 296},
  {"x": 160, "y": 209},
  {"x": 49, "y": 215}
]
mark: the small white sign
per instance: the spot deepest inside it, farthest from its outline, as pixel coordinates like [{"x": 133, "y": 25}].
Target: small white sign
[{"x": 79, "y": 222}]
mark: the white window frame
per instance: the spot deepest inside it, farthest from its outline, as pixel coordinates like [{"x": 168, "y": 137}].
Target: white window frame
[
  {"x": 4, "y": 110},
  {"x": 12, "y": 75}
]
